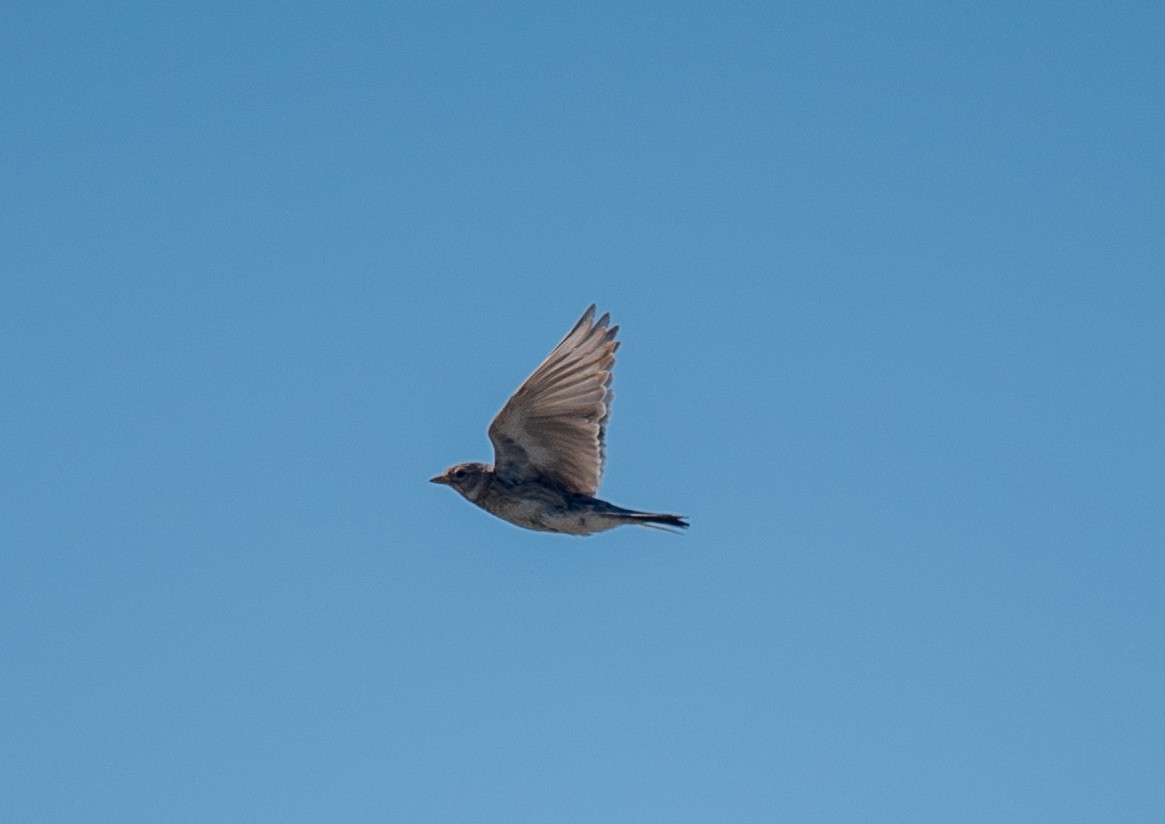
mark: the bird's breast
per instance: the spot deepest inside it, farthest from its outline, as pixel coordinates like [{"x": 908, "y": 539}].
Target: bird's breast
[{"x": 544, "y": 507}]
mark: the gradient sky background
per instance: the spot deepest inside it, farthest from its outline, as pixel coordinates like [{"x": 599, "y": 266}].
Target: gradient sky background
[{"x": 892, "y": 289}]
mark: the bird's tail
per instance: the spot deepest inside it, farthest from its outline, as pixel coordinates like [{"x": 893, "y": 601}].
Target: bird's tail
[{"x": 657, "y": 520}]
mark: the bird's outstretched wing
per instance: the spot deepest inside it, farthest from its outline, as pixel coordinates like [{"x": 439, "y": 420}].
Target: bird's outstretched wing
[{"x": 554, "y": 424}]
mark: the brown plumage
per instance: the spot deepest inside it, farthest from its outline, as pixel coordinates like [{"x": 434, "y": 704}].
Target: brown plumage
[{"x": 549, "y": 446}]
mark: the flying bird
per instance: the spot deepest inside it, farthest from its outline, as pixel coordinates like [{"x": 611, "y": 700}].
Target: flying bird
[{"x": 549, "y": 444}]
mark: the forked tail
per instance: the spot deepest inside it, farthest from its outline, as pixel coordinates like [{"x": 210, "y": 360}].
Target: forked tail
[{"x": 657, "y": 520}]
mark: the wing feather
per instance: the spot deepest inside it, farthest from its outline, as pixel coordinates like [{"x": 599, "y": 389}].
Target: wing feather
[{"x": 555, "y": 424}]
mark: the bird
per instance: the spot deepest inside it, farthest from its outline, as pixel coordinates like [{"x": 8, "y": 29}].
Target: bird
[{"x": 549, "y": 444}]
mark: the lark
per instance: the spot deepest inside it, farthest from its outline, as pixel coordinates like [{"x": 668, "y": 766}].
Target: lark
[{"x": 549, "y": 444}]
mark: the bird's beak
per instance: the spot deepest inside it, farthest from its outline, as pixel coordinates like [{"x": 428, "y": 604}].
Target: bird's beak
[{"x": 440, "y": 479}]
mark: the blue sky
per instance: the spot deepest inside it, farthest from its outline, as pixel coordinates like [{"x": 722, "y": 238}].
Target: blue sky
[{"x": 890, "y": 279}]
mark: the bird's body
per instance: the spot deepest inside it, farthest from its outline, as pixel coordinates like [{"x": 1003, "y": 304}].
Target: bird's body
[
  {"x": 545, "y": 505},
  {"x": 549, "y": 444}
]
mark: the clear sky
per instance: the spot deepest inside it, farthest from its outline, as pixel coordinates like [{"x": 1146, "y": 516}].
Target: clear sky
[{"x": 891, "y": 282}]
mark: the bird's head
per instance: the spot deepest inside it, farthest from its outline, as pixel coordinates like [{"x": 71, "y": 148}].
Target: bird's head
[{"x": 468, "y": 479}]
